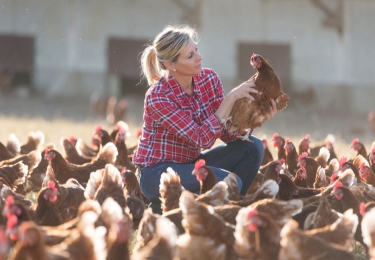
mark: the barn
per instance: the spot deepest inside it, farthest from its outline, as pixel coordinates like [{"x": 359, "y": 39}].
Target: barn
[{"x": 323, "y": 50}]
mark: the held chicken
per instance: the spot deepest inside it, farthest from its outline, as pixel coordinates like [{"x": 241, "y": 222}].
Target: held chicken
[{"x": 249, "y": 115}]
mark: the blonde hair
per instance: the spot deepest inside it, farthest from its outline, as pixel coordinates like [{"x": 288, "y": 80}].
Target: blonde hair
[{"x": 166, "y": 46}]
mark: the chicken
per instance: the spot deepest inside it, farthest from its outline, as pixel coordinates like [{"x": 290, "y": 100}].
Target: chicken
[
  {"x": 170, "y": 190},
  {"x": 205, "y": 176},
  {"x": 280, "y": 210},
  {"x": 304, "y": 145},
  {"x": 288, "y": 190},
  {"x": 295, "y": 244},
  {"x": 279, "y": 145},
  {"x": 131, "y": 185},
  {"x": 311, "y": 166},
  {"x": 103, "y": 135},
  {"x": 300, "y": 179},
  {"x": 35, "y": 178},
  {"x": 119, "y": 229},
  {"x": 5, "y": 153},
  {"x": 122, "y": 159},
  {"x": 342, "y": 199},
  {"x": 123, "y": 126},
  {"x": 31, "y": 160},
  {"x": 71, "y": 153},
  {"x": 323, "y": 216},
  {"x": 291, "y": 157},
  {"x": 65, "y": 170},
  {"x": 31, "y": 244},
  {"x": 104, "y": 183},
  {"x": 257, "y": 235},
  {"x": 13, "y": 175},
  {"x": 12, "y": 149},
  {"x": 340, "y": 232},
  {"x": 358, "y": 147},
  {"x": 200, "y": 220},
  {"x": 368, "y": 231},
  {"x": 327, "y": 143},
  {"x": 273, "y": 171},
  {"x": 35, "y": 141},
  {"x": 249, "y": 115},
  {"x": 69, "y": 198},
  {"x": 268, "y": 157},
  {"x": 371, "y": 158},
  {"x": 163, "y": 243},
  {"x": 321, "y": 179},
  {"x": 89, "y": 150},
  {"x": 366, "y": 174}
]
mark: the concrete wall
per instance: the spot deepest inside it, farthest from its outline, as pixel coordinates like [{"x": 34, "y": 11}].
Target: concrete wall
[{"x": 71, "y": 40}]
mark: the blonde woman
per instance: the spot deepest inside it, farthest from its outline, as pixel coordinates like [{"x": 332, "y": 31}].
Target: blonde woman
[{"x": 185, "y": 112}]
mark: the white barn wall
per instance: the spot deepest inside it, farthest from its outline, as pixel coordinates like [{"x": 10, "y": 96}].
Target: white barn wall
[{"x": 71, "y": 38}]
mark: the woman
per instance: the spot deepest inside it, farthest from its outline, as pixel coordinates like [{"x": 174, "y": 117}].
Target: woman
[{"x": 185, "y": 112}]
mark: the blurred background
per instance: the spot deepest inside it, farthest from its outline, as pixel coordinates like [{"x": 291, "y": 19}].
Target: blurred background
[{"x": 79, "y": 59}]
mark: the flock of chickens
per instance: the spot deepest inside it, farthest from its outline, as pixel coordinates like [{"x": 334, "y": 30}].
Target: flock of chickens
[{"x": 304, "y": 204}]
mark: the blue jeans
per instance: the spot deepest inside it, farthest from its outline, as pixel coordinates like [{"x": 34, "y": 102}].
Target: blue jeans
[{"x": 240, "y": 157}]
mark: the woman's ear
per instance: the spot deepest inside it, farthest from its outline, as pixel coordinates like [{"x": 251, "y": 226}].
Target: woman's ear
[{"x": 169, "y": 65}]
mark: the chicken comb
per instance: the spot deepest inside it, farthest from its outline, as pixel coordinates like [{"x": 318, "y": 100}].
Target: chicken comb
[
  {"x": 9, "y": 201},
  {"x": 287, "y": 140},
  {"x": 342, "y": 161},
  {"x": 303, "y": 155},
  {"x": 362, "y": 208},
  {"x": 334, "y": 176},
  {"x": 275, "y": 135},
  {"x": 51, "y": 185},
  {"x": 355, "y": 140},
  {"x": 46, "y": 150},
  {"x": 199, "y": 164},
  {"x": 123, "y": 169},
  {"x": 337, "y": 185},
  {"x": 252, "y": 212},
  {"x": 72, "y": 138},
  {"x": 307, "y": 137},
  {"x": 98, "y": 128},
  {"x": 362, "y": 166},
  {"x": 11, "y": 220},
  {"x": 281, "y": 161}
]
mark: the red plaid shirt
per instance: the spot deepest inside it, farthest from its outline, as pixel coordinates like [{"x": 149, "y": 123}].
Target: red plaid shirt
[{"x": 177, "y": 126}]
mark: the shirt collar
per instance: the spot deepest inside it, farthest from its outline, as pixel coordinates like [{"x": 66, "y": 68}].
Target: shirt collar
[{"x": 177, "y": 89}]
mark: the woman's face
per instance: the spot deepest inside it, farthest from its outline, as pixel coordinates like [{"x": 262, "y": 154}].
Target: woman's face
[{"x": 189, "y": 61}]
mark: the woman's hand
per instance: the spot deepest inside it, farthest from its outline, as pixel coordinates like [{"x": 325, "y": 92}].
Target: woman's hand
[
  {"x": 243, "y": 90},
  {"x": 273, "y": 109}
]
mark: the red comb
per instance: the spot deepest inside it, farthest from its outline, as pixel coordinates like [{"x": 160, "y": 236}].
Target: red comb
[
  {"x": 46, "y": 150},
  {"x": 362, "y": 208},
  {"x": 303, "y": 155},
  {"x": 11, "y": 220},
  {"x": 307, "y": 136},
  {"x": 72, "y": 138},
  {"x": 342, "y": 161},
  {"x": 98, "y": 128},
  {"x": 287, "y": 141},
  {"x": 355, "y": 140},
  {"x": 9, "y": 201},
  {"x": 363, "y": 165},
  {"x": 123, "y": 169},
  {"x": 281, "y": 160},
  {"x": 252, "y": 212},
  {"x": 51, "y": 185},
  {"x": 334, "y": 176},
  {"x": 337, "y": 185},
  {"x": 199, "y": 164},
  {"x": 275, "y": 135}
]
